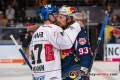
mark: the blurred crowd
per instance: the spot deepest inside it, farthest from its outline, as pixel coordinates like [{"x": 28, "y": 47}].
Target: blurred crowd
[
  {"x": 114, "y": 19},
  {"x": 14, "y": 14},
  {"x": 14, "y": 11}
]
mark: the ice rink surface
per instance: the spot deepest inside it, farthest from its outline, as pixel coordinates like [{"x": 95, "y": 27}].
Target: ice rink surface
[{"x": 103, "y": 71}]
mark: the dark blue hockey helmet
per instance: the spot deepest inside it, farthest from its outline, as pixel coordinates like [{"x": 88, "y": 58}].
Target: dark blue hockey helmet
[{"x": 46, "y": 10}]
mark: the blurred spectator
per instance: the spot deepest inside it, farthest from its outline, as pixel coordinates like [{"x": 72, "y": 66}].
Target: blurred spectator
[
  {"x": 25, "y": 39},
  {"x": 10, "y": 12},
  {"x": 22, "y": 13},
  {"x": 22, "y": 19},
  {"x": 36, "y": 19},
  {"x": 109, "y": 10},
  {"x": 112, "y": 38},
  {"x": 114, "y": 21},
  {"x": 27, "y": 24},
  {"x": 15, "y": 4},
  {"x": 28, "y": 19},
  {"x": 38, "y": 9},
  {"x": 15, "y": 7},
  {"x": 11, "y": 24},
  {"x": 19, "y": 24}
]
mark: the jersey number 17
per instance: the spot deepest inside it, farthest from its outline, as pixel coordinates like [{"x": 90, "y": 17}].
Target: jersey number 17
[{"x": 49, "y": 53}]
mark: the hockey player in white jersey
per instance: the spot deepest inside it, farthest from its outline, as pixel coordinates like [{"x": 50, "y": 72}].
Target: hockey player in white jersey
[{"x": 45, "y": 46}]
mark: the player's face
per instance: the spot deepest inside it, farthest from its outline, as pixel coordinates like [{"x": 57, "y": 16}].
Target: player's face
[
  {"x": 52, "y": 18},
  {"x": 61, "y": 20}
]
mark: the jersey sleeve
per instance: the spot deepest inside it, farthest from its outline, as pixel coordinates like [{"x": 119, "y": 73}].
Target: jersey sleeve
[
  {"x": 64, "y": 39},
  {"x": 73, "y": 31}
]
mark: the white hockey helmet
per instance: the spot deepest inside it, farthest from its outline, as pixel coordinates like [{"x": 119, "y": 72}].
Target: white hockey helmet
[{"x": 67, "y": 10}]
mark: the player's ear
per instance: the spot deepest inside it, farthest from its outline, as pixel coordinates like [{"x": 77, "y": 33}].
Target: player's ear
[{"x": 69, "y": 20}]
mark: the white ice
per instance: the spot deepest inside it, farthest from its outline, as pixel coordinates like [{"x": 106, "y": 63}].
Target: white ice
[{"x": 22, "y": 72}]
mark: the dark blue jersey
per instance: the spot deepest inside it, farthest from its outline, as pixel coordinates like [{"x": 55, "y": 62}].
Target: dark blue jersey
[
  {"x": 82, "y": 49},
  {"x": 77, "y": 57},
  {"x": 69, "y": 62}
]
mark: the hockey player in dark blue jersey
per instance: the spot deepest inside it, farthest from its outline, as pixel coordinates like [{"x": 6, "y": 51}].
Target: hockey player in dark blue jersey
[{"x": 75, "y": 61}]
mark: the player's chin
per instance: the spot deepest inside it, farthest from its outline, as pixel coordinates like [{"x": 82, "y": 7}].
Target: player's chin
[{"x": 59, "y": 24}]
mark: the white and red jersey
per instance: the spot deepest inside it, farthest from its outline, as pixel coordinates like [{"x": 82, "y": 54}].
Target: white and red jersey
[{"x": 45, "y": 50}]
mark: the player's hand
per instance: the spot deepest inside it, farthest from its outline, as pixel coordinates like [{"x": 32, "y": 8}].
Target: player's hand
[
  {"x": 19, "y": 39},
  {"x": 80, "y": 23},
  {"x": 32, "y": 28},
  {"x": 83, "y": 75}
]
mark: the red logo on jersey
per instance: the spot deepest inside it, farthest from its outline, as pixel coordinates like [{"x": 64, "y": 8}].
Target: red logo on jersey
[
  {"x": 82, "y": 41},
  {"x": 49, "y": 53},
  {"x": 66, "y": 52}
]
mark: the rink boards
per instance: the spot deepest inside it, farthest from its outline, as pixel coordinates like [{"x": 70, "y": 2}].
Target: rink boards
[{"x": 10, "y": 54}]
